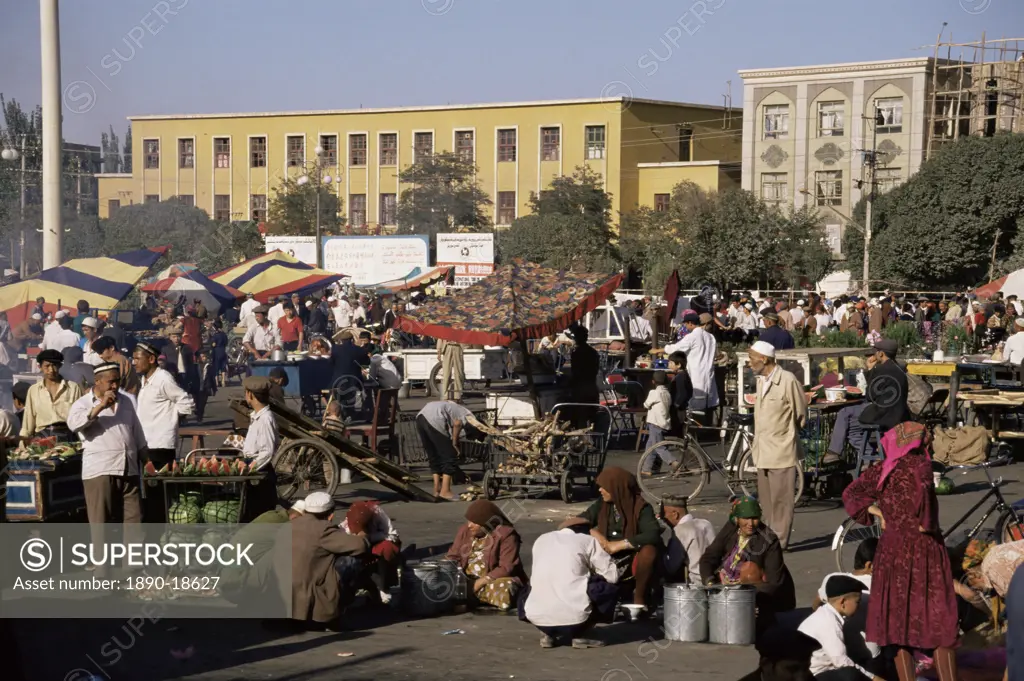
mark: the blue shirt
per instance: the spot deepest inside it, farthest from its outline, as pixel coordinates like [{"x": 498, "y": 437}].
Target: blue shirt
[{"x": 777, "y": 337}]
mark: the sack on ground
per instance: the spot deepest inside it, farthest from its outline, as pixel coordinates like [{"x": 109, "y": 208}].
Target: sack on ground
[
  {"x": 920, "y": 391},
  {"x": 965, "y": 446}
]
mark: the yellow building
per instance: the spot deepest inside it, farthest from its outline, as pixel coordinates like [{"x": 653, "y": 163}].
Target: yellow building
[{"x": 230, "y": 164}]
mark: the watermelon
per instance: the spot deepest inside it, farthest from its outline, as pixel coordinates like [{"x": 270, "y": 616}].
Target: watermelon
[
  {"x": 225, "y": 468},
  {"x": 214, "y": 465},
  {"x": 253, "y": 468},
  {"x": 944, "y": 486},
  {"x": 150, "y": 468},
  {"x": 175, "y": 468},
  {"x": 185, "y": 511},
  {"x": 201, "y": 466},
  {"x": 165, "y": 470}
]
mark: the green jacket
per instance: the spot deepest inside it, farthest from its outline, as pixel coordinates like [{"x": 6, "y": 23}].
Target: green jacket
[{"x": 649, "y": 531}]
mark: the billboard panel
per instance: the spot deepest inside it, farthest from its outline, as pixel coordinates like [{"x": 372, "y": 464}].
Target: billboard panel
[{"x": 375, "y": 259}]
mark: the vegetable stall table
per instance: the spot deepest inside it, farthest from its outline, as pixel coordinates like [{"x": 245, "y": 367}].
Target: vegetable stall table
[
  {"x": 977, "y": 371},
  {"x": 206, "y": 490},
  {"x": 308, "y": 377},
  {"x": 43, "y": 487},
  {"x": 998, "y": 404}
]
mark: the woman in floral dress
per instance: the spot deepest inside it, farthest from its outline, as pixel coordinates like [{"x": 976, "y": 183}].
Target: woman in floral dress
[
  {"x": 913, "y": 604},
  {"x": 486, "y": 547}
]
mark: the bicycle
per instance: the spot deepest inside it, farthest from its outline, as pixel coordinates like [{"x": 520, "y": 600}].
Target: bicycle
[
  {"x": 1009, "y": 523},
  {"x": 694, "y": 465}
]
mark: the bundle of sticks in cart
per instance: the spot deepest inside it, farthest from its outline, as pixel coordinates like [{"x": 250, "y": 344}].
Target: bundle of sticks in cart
[{"x": 533, "y": 446}]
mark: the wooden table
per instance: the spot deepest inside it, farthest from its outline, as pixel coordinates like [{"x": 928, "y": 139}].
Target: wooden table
[
  {"x": 997, "y": 402},
  {"x": 931, "y": 368}
]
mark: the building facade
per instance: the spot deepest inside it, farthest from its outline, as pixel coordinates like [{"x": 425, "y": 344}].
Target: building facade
[
  {"x": 806, "y": 131},
  {"x": 230, "y": 164}
]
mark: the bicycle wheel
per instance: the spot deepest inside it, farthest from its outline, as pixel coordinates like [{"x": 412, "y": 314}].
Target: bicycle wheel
[
  {"x": 686, "y": 480},
  {"x": 747, "y": 478},
  {"x": 848, "y": 537},
  {"x": 1010, "y": 528}
]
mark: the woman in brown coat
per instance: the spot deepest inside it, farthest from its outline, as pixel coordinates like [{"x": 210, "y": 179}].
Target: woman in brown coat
[{"x": 486, "y": 547}]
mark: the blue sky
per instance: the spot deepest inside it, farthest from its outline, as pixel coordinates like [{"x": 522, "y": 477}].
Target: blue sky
[{"x": 123, "y": 57}]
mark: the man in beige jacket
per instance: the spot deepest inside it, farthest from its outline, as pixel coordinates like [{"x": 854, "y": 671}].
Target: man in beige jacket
[{"x": 780, "y": 411}]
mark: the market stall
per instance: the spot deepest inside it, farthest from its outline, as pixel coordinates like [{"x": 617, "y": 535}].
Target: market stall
[
  {"x": 482, "y": 365},
  {"x": 805, "y": 363},
  {"x": 195, "y": 285},
  {"x": 45, "y": 483},
  {"x": 275, "y": 274},
  {"x": 519, "y": 301}
]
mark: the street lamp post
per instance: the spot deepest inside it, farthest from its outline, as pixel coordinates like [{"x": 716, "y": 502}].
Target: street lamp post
[
  {"x": 53, "y": 232},
  {"x": 321, "y": 180},
  {"x": 11, "y": 154}
]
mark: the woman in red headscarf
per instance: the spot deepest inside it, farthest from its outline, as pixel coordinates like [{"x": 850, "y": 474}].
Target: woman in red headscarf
[
  {"x": 626, "y": 527},
  {"x": 913, "y": 604},
  {"x": 487, "y": 547},
  {"x": 385, "y": 545}
]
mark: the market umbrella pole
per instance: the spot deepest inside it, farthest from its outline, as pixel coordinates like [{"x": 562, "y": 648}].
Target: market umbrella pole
[{"x": 529, "y": 378}]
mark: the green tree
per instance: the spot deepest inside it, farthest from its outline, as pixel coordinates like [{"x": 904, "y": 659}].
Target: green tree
[
  {"x": 292, "y": 210},
  {"x": 569, "y": 242},
  {"x": 110, "y": 147},
  {"x": 126, "y": 160},
  {"x": 581, "y": 193},
  {"x": 948, "y": 223},
  {"x": 728, "y": 239},
  {"x": 445, "y": 196}
]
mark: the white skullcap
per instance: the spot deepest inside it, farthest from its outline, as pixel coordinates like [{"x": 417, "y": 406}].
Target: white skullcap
[
  {"x": 309, "y": 303},
  {"x": 299, "y": 506},
  {"x": 874, "y": 301},
  {"x": 319, "y": 502},
  {"x": 763, "y": 348},
  {"x": 801, "y": 302},
  {"x": 37, "y": 316},
  {"x": 1019, "y": 321},
  {"x": 90, "y": 322},
  {"x": 749, "y": 306},
  {"x": 61, "y": 314},
  {"x": 331, "y": 299}
]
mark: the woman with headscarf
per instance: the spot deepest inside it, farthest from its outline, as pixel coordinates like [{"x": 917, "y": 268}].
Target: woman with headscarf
[
  {"x": 748, "y": 552},
  {"x": 381, "y": 562},
  {"x": 486, "y": 547},
  {"x": 627, "y": 528},
  {"x": 913, "y": 602}
]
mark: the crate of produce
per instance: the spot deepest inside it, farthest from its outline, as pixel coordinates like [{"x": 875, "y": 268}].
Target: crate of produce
[{"x": 44, "y": 484}]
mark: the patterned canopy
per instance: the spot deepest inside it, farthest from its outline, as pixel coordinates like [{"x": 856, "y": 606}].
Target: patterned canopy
[
  {"x": 103, "y": 282},
  {"x": 273, "y": 274},
  {"x": 520, "y": 298}
]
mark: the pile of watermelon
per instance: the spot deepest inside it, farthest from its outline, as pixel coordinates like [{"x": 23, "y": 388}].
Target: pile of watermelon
[{"x": 203, "y": 467}]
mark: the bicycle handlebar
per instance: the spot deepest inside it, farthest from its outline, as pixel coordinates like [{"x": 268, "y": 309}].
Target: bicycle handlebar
[{"x": 964, "y": 470}]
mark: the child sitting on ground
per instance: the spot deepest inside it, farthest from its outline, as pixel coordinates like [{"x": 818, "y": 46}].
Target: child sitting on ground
[
  {"x": 659, "y": 421},
  {"x": 832, "y": 662}
]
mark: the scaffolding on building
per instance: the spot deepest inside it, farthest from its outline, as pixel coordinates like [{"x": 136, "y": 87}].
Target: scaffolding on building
[{"x": 977, "y": 89}]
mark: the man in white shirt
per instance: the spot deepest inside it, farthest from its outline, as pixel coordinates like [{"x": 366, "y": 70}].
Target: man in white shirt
[
  {"x": 51, "y": 331},
  {"x": 831, "y": 662},
  {"x": 384, "y": 371},
  {"x": 1013, "y": 306},
  {"x": 112, "y": 442},
  {"x": 263, "y": 337},
  {"x": 276, "y": 312},
  {"x": 261, "y": 440},
  {"x": 690, "y": 537},
  {"x": 342, "y": 312},
  {"x": 572, "y": 587},
  {"x": 1013, "y": 351},
  {"x": 162, "y": 403},
  {"x": 90, "y": 332},
  {"x": 797, "y": 314},
  {"x": 359, "y": 315},
  {"x": 65, "y": 338},
  {"x": 245, "y": 313},
  {"x": 700, "y": 348}
]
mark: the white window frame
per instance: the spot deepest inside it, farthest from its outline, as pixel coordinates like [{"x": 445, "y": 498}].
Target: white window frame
[
  {"x": 831, "y": 116},
  {"x": 586, "y": 142},
  {"x": 266, "y": 205},
  {"x": 398, "y": 149},
  {"x": 540, "y": 138},
  {"x": 266, "y": 151},
  {"x": 178, "y": 142},
  {"x": 778, "y": 129},
  {"x": 497, "y": 143},
  {"x": 348, "y": 148},
  {"x": 828, "y": 187},
  {"x": 380, "y": 209},
  {"x": 159, "y": 153},
  {"x": 305, "y": 150},
  {"x": 366, "y": 210},
  {"x": 455, "y": 141},
  {"x": 773, "y": 183},
  {"x": 497, "y": 205},
  {"x": 891, "y": 104}
]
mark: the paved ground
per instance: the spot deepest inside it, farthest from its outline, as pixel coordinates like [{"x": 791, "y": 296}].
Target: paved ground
[{"x": 389, "y": 648}]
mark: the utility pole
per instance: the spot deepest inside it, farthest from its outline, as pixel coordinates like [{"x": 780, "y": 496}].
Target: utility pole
[
  {"x": 53, "y": 231},
  {"x": 21, "y": 244},
  {"x": 870, "y": 161}
]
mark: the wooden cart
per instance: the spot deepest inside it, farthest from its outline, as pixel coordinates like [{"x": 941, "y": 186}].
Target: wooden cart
[{"x": 44, "y": 490}]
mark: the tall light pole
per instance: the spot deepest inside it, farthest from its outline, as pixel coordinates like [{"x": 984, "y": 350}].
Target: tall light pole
[
  {"x": 321, "y": 180},
  {"x": 12, "y": 154},
  {"x": 870, "y": 161},
  {"x": 53, "y": 232}
]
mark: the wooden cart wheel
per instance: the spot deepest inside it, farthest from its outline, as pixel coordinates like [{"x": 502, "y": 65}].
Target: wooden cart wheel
[
  {"x": 304, "y": 466},
  {"x": 490, "y": 485},
  {"x": 567, "y": 487}
]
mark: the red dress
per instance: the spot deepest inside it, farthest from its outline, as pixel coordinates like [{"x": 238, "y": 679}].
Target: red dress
[{"x": 912, "y": 604}]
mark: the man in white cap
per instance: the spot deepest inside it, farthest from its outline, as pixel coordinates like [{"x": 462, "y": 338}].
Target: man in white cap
[
  {"x": 247, "y": 309},
  {"x": 317, "y": 544},
  {"x": 51, "y": 330},
  {"x": 90, "y": 332},
  {"x": 796, "y": 315},
  {"x": 162, "y": 403},
  {"x": 28, "y": 332},
  {"x": 64, "y": 338},
  {"x": 1013, "y": 351},
  {"x": 112, "y": 443},
  {"x": 342, "y": 311},
  {"x": 780, "y": 411}
]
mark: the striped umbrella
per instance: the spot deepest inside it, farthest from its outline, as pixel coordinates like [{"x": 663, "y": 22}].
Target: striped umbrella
[
  {"x": 195, "y": 285},
  {"x": 176, "y": 270},
  {"x": 273, "y": 274},
  {"x": 103, "y": 282}
]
